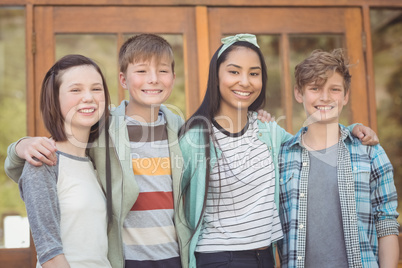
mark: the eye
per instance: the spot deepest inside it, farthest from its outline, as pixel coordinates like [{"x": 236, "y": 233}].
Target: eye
[
  {"x": 234, "y": 72},
  {"x": 164, "y": 71},
  {"x": 336, "y": 89},
  {"x": 313, "y": 88},
  {"x": 75, "y": 90},
  {"x": 254, "y": 74},
  {"x": 98, "y": 89},
  {"x": 140, "y": 71}
]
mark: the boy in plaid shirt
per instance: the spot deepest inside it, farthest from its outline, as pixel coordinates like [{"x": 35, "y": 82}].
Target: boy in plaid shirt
[{"x": 338, "y": 199}]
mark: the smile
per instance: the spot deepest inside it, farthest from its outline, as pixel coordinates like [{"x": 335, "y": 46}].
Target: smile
[
  {"x": 152, "y": 91},
  {"x": 241, "y": 93},
  {"x": 324, "y": 108},
  {"x": 87, "y": 111}
]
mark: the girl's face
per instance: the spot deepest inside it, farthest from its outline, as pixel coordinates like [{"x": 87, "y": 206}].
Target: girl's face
[
  {"x": 82, "y": 98},
  {"x": 240, "y": 81}
]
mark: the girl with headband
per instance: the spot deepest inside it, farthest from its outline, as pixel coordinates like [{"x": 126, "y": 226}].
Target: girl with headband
[
  {"x": 230, "y": 158},
  {"x": 230, "y": 181}
]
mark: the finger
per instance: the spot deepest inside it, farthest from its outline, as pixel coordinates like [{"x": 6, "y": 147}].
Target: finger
[{"x": 33, "y": 162}]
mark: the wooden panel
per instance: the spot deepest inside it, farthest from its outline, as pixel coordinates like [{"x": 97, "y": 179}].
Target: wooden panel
[
  {"x": 202, "y": 48},
  {"x": 44, "y": 57},
  {"x": 358, "y": 93},
  {"x": 370, "y": 71},
  {"x": 308, "y": 3},
  {"x": 30, "y": 76},
  {"x": 16, "y": 258},
  {"x": 287, "y": 92},
  {"x": 120, "y": 19},
  {"x": 280, "y": 20}
]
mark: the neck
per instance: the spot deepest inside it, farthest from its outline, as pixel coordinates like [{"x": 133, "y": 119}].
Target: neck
[
  {"x": 232, "y": 122},
  {"x": 321, "y": 136},
  {"x": 144, "y": 115},
  {"x": 76, "y": 143}
]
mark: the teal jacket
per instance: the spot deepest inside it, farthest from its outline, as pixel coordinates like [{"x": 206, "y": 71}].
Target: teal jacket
[
  {"x": 193, "y": 152},
  {"x": 124, "y": 186}
]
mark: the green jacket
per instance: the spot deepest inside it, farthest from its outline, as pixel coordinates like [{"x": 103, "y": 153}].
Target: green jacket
[
  {"x": 193, "y": 152},
  {"x": 124, "y": 186}
]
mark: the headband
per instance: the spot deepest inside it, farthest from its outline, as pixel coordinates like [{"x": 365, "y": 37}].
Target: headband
[{"x": 230, "y": 40}]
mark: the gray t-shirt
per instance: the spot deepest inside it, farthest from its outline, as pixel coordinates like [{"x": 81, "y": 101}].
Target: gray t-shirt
[{"x": 325, "y": 243}]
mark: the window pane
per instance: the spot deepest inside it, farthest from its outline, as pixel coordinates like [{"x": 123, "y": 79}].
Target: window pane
[
  {"x": 300, "y": 48},
  {"x": 269, "y": 45},
  {"x": 386, "y": 27},
  {"x": 12, "y": 120},
  {"x": 99, "y": 47},
  {"x": 177, "y": 100}
]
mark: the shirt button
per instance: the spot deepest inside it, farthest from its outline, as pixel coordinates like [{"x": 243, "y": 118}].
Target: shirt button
[
  {"x": 355, "y": 168},
  {"x": 301, "y": 226},
  {"x": 281, "y": 180},
  {"x": 299, "y": 257},
  {"x": 304, "y": 164},
  {"x": 260, "y": 134},
  {"x": 302, "y": 195}
]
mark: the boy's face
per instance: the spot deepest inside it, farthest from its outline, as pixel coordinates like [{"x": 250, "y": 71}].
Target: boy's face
[
  {"x": 148, "y": 82},
  {"x": 323, "y": 104}
]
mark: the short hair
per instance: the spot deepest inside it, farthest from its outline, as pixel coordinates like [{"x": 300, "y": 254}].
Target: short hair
[
  {"x": 320, "y": 65},
  {"x": 50, "y": 103},
  {"x": 144, "y": 47}
]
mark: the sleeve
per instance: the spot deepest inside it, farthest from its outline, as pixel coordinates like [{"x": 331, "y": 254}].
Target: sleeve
[
  {"x": 351, "y": 127},
  {"x": 13, "y": 165},
  {"x": 384, "y": 198},
  {"x": 193, "y": 179},
  {"x": 38, "y": 189}
]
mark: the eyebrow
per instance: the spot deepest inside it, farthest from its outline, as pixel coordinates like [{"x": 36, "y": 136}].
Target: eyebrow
[
  {"x": 79, "y": 84},
  {"x": 237, "y": 66}
]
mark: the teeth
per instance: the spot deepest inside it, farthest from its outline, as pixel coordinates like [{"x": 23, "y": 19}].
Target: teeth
[
  {"x": 87, "y": 110},
  {"x": 152, "y": 91},
  {"x": 324, "y": 108},
  {"x": 242, "y": 93}
]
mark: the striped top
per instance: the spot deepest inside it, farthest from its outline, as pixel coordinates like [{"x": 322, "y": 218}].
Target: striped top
[
  {"x": 240, "y": 212},
  {"x": 149, "y": 235}
]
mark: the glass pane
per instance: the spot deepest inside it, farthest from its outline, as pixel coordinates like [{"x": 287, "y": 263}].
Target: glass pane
[
  {"x": 12, "y": 120},
  {"x": 300, "y": 47},
  {"x": 269, "y": 45},
  {"x": 386, "y": 28},
  {"x": 177, "y": 100},
  {"x": 99, "y": 47}
]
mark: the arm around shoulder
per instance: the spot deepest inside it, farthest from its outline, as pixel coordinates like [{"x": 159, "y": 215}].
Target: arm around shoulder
[{"x": 13, "y": 165}]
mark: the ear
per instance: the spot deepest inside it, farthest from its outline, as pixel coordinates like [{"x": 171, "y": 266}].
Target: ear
[
  {"x": 122, "y": 80},
  {"x": 298, "y": 94},
  {"x": 346, "y": 99}
]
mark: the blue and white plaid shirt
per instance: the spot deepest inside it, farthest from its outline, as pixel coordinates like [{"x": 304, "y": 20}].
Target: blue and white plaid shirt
[{"x": 367, "y": 194}]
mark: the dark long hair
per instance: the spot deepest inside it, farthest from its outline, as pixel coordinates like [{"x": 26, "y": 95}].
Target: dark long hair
[{"x": 204, "y": 115}]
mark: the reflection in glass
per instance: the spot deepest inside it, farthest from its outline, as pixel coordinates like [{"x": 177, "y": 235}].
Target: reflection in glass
[
  {"x": 12, "y": 110},
  {"x": 386, "y": 28},
  {"x": 300, "y": 48},
  {"x": 99, "y": 47},
  {"x": 177, "y": 100}
]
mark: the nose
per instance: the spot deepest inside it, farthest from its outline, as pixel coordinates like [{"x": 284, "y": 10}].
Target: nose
[
  {"x": 324, "y": 95},
  {"x": 88, "y": 96},
  {"x": 152, "y": 77},
  {"x": 244, "y": 81}
]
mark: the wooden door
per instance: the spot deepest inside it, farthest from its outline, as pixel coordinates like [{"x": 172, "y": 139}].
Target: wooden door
[{"x": 287, "y": 22}]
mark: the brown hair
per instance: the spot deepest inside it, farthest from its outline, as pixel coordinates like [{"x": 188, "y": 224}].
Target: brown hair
[
  {"x": 144, "y": 47},
  {"x": 49, "y": 100},
  {"x": 320, "y": 65}
]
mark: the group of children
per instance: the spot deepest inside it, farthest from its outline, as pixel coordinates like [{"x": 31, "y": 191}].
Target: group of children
[{"x": 219, "y": 190}]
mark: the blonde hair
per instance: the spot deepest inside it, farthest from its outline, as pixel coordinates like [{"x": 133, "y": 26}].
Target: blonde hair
[{"x": 144, "y": 47}]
